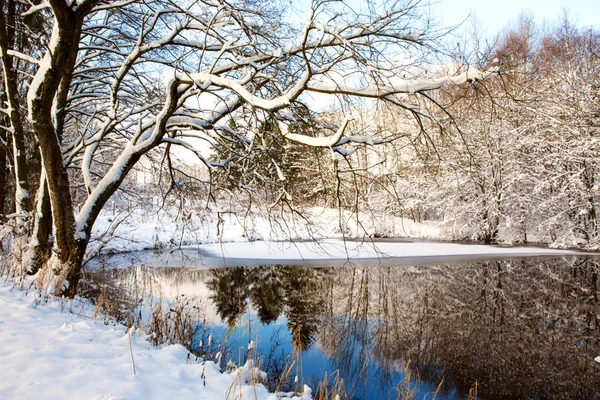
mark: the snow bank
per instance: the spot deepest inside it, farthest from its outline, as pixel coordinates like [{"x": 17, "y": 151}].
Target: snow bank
[
  {"x": 59, "y": 351},
  {"x": 174, "y": 227},
  {"x": 322, "y": 235}
]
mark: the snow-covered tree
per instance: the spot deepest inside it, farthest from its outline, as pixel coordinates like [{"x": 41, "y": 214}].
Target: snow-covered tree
[
  {"x": 566, "y": 127},
  {"x": 112, "y": 81},
  {"x": 515, "y": 158}
]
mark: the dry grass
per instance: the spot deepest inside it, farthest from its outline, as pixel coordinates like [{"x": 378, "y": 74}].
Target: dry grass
[
  {"x": 334, "y": 390},
  {"x": 473, "y": 391}
]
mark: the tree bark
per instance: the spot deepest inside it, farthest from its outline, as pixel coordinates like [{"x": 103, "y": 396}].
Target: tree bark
[
  {"x": 40, "y": 246},
  {"x": 7, "y": 41},
  {"x": 49, "y": 85},
  {"x": 4, "y": 175}
]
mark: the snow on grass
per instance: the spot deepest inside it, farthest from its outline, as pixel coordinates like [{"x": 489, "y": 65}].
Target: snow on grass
[
  {"x": 59, "y": 351},
  {"x": 139, "y": 229}
]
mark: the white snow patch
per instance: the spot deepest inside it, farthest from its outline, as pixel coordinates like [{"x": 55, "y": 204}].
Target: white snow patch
[
  {"x": 143, "y": 229},
  {"x": 60, "y": 351},
  {"x": 220, "y": 233},
  {"x": 332, "y": 249}
]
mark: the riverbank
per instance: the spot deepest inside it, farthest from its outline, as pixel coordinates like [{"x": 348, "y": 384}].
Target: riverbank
[
  {"x": 141, "y": 229},
  {"x": 65, "y": 348},
  {"x": 326, "y": 252},
  {"x": 59, "y": 349}
]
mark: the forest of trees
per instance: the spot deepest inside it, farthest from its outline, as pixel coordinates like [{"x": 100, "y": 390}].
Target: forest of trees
[
  {"x": 498, "y": 145},
  {"x": 522, "y": 157},
  {"x": 510, "y": 159}
]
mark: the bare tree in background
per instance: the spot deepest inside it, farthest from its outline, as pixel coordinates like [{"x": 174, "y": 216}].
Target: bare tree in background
[{"x": 513, "y": 159}]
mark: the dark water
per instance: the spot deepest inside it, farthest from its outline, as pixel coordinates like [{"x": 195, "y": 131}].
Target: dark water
[{"x": 501, "y": 329}]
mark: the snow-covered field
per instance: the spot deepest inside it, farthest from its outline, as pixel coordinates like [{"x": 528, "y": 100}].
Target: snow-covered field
[
  {"x": 173, "y": 228},
  {"x": 60, "y": 351}
]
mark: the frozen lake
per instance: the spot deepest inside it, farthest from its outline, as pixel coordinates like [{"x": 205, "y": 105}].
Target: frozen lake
[{"x": 393, "y": 252}]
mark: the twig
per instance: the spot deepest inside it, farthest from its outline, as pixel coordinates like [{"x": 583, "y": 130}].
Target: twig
[{"x": 131, "y": 349}]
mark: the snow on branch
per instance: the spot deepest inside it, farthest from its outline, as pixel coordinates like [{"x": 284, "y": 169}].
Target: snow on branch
[
  {"x": 328, "y": 141},
  {"x": 22, "y": 56},
  {"x": 205, "y": 79},
  {"x": 35, "y": 8},
  {"x": 116, "y": 4},
  {"x": 192, "y": 148},
  {"x": 188, "y": 122},
  {"x": 403, "y": 86}
]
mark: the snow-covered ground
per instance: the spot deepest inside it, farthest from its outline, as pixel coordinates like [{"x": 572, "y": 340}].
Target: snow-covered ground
[
  {"x": 60, "y": 351},
  {"x": 322, "y": 236},
  {"x": 396, "y": 252},
  {"x": 139, "y": 229},
  {"x": 171, "y": 228}
]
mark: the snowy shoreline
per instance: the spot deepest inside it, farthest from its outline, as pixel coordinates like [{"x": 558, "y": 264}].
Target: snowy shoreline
[
  {"x": 61, "y": 348},
  {"x": 205, "y": 232}
]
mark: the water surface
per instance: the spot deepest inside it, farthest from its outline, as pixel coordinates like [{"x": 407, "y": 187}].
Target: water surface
[{"x": 520, "y": 328}]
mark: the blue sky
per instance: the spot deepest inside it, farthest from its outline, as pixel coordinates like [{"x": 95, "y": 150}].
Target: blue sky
[{"x": 495, "y": 14}]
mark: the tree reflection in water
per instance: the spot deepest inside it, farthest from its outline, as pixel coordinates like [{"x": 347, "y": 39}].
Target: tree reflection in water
[
  {"x": 273, "y": 291},
  {"x": 520, "y": 328}
]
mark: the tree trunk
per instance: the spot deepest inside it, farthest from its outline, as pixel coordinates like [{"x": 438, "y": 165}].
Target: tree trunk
[
  {"x": 40, "y": 246},
  {"x": 7, "y": 41},
  {"x": 3, "y": 182},
  {"x": 49, "y": 84},
  {"x": 69, "y": 253},
  {"x": 63, "y": 270},
  {"x": 58, "y": 60},
  {"x": 22, "y": 197}
]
